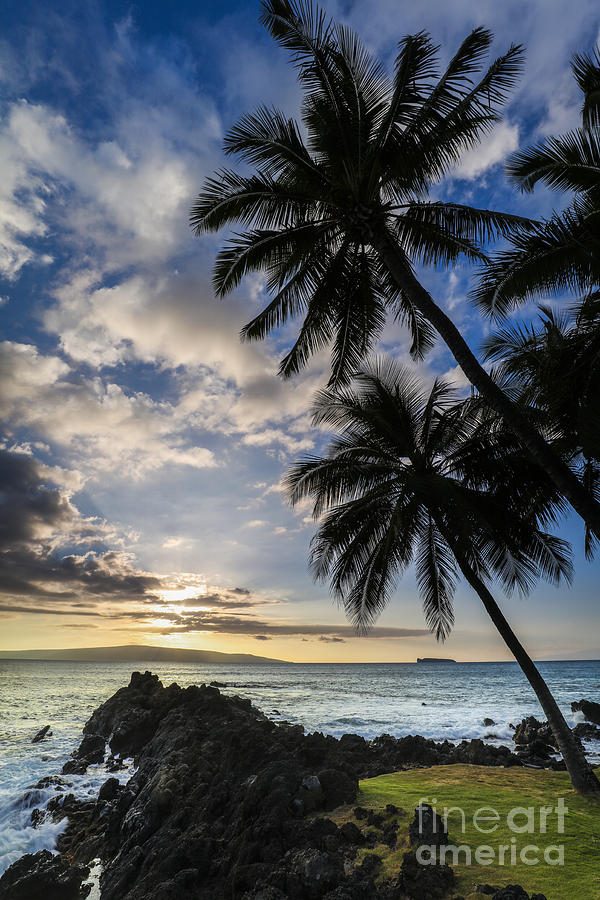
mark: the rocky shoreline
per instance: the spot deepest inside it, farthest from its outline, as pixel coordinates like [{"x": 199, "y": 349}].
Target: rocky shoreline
[{"x": 224, "y": 803}]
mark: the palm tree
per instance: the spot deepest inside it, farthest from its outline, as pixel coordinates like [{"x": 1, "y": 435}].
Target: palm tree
[
  {"x": 553, "y": 366},
  {"x": 415, "y": 477},
  {"x": 336, "y": 211},
  {"x": 563, "y": 252}
]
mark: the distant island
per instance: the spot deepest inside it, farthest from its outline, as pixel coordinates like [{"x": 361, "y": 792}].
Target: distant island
[
  {"x": 140, "y": 653},
  {"x": 435, "y": 659}
]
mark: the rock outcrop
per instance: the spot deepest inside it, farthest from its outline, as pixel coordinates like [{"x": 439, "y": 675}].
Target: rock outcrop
[
  {"x": 42, "y": 734},
  {"x": 590, "y": 710},
  {"x": 225, "y": 803}
]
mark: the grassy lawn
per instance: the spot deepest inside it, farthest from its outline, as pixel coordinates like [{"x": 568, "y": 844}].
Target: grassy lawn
[{"x": 473, "y": 787}]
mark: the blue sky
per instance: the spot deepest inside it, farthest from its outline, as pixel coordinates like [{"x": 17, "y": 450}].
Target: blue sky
[{"x": 143, "y": 444}]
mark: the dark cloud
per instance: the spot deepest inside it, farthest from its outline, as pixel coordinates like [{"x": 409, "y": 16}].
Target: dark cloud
[
  {"x": 28, "y": 508},
  {"x": 36, "y": 519},
  {"x": 262, "y": 637},
  {"x": 332, "y": 640},
  {"x": 211, "y": 621},
  {"x": 224, "y": 600}
]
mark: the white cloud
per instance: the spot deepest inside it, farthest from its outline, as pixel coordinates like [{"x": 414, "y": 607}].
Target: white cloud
[
  {"x": 493, "y": 149},
  {"x": 105, "y": 427}
]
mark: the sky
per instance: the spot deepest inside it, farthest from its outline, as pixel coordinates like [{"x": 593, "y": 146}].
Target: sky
[{"x": 142, "y": 444}]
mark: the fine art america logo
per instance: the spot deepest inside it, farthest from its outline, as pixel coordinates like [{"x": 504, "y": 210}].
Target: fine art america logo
[{"x": 522, "y": 822}]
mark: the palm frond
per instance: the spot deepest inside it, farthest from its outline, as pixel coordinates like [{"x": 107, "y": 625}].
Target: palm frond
[
  {"x": 546, "y": 259},
  {"x": 586, "y": 69},
  {"x": 264, "y": 249},
  {"x": 570, "y": 162},
  {"x": 436, "y": 576}
]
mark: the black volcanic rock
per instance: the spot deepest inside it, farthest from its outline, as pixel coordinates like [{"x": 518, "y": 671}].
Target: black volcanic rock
[
  {"x": 42, "y": 734},
  {"x": 43, "y": 876},
  {"x": 90, "y": 751},
  {"x": 427, "y": 827},
  {"x": 218, "y": 802},
  {"x": 590, "y": 710},
  {"x": 585, "y": 730},
  {"x": 431, "y": 882}
]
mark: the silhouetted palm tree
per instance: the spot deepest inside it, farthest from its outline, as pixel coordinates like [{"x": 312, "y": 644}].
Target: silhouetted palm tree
[
  {"x": 553, "y": 366},
  {"x": 415, "y": 477},
  {"x": 336, "y": 212},
  {"x": 563, "y": 252}
]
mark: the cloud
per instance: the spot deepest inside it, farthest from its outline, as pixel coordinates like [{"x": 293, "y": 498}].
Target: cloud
[
  {"x": 37, "y": 519},
  {"x": 493, "y": 150},
  {"x": 248, "y": 625},
  {"x": 96, "y": 419},
  {"x": 170, "y": 543}
]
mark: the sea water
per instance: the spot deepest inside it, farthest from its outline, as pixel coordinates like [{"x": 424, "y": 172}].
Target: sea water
[{"x": 436, "y": 700}]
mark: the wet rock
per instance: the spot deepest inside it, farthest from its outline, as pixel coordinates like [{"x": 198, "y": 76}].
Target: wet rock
[
  {"x": 488, "y": 722},
  {"x": 37, "y": 817},
  {"x": 89, "y": 752},
  {"x": 218, "y": 684},
  {"x": 587, "y": 731},
  {"x": 54, "y": 781},
  {"x": 43, "y": 876},
  {"x": 42, "y": 734},
  {"x": 110, "y": 790},
  {"x": 590, "y": 710},
  {"x": 114, "y": 764},
  {"x": 530, "y": 730}
]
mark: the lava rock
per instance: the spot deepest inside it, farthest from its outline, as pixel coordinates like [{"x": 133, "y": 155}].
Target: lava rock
[
  {"x": 338, "y": 787},
  {"x": 424, "y": 882},
  {"x": 587, "y": 731},
  {"x": 42, "y": 734},
  {"x": 589, "y": 708},
  {"x": 530, "y": 730},
  {"x": 352, "y": 834},
  {"x": 427, "y": 828},
  {"x": 110, "y": 790},
  {"x": 90, "y": 751},
  {"x": 43, "y": 876},
  {"x": 515, "y": 892},
  {"x": 217, "y": 801}
]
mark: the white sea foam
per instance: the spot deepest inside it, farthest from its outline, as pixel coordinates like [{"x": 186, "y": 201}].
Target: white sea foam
[{"x": 94, "y": 880}]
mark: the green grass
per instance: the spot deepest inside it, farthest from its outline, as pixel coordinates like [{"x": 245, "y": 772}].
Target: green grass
[{"x": 473, "y": 787}]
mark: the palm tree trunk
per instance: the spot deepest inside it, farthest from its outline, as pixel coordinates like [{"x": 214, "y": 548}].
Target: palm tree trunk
[
  {"x": 582, "y": 777},
  {"x": 560, "y": 473}
]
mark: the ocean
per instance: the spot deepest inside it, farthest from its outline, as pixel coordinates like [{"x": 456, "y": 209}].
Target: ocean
[{"x": 437, "y": 701}]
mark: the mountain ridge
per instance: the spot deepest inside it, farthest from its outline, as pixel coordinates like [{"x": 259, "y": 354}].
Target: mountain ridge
[{"x": 139, "y": 653}]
